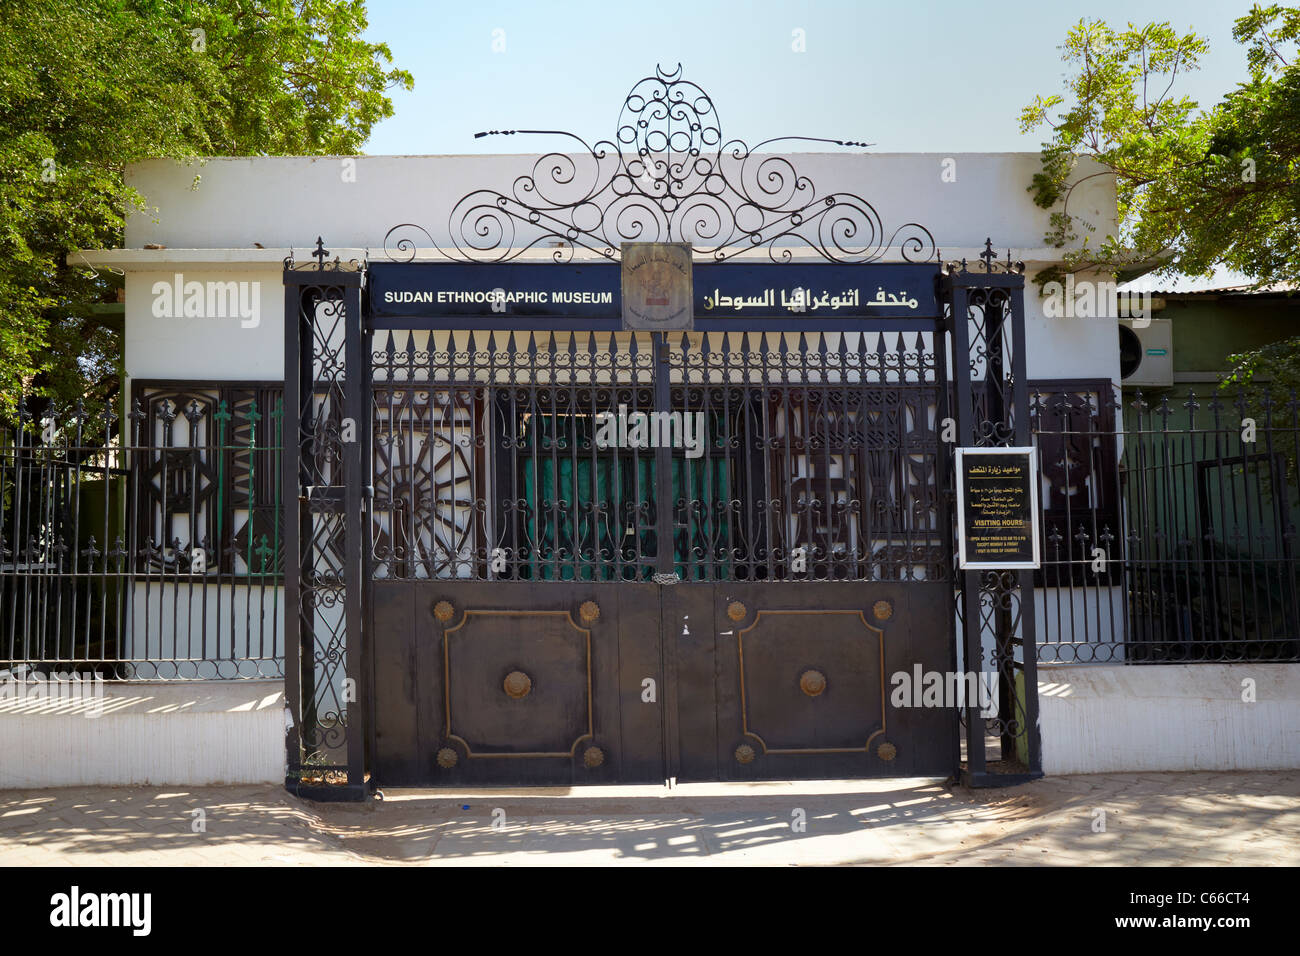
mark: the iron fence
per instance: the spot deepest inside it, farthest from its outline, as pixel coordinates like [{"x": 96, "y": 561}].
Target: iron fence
[
  {"x": 1170, "y": 525},
  {"x": 153, "y": 550},
  {"x": 521, "y": 460},
  {"x": 147, "y": 547}
]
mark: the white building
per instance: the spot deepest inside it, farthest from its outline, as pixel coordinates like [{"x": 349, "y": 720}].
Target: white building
[{"x": 502, "y": 592}]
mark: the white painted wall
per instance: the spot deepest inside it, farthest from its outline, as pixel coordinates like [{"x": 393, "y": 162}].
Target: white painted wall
[
  {"x": 1093, "y": 720},
  {"x": 158, "y": 733},
  {"x": 288, "y": 201},
  {"x": 1067, "y": 347},
  {"x": 207, "y": 349},
  {"x": 210, "y": 230},
  {"x": 1168, "y": 717}
]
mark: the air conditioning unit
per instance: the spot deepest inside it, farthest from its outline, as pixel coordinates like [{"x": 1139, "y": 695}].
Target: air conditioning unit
[{"x": 1146, "y": 353}]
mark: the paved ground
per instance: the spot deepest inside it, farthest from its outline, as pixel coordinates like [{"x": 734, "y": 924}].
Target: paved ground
[{"x": 1199, "y": 819}]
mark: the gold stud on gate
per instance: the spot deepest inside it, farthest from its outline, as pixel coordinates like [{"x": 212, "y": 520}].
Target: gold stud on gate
[
  {"x": 589, "y": 611},
  {"x": 812, "y": 683},
  {"x": 593, "y": 757},
  {"x": 736, "y": 611},
  {"x": 447, "y": 758},
  {"x": 443, "y": 611},
  {"x": 745, "y": 754},
  {"x": 883, "y": 610},
  {"x": 886, "y": 751},
  {"x": 518, "y": 684}
]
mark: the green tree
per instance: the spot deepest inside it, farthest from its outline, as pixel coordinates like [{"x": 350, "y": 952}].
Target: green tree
[
  {"x": 1196, "y": 187},
  {"x": 87, "y": 88}
]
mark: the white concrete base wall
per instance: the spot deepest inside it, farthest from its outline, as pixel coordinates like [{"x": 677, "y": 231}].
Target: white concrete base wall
[
  {"x": 1103, "y": 719},
  {"x": 149, "y": 733},
  {"x": 1097, "y": 719}
]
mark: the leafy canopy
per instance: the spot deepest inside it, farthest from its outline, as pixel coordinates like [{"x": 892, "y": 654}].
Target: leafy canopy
[
  {"x": 87, "y": 88},
  {"x": 1196, "y": 187}
]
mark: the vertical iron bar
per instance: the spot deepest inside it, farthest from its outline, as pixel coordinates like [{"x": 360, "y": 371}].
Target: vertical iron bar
[
  {"x": 354, "y": 409},
  {"x": 296, "y": 389}
]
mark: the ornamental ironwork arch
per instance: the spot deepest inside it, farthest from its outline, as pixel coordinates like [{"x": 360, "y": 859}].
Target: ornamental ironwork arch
[{"x": 667, "y": 176}]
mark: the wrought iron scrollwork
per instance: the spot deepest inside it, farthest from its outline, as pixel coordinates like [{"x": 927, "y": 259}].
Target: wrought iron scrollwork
[{"x": 667, "y": 176}]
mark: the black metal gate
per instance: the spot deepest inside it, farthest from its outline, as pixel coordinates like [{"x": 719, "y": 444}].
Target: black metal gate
[
  {"x": 719, "y": 593},
  {"x": 539, "y": 552},
  {"x": 539, "y": 556}
]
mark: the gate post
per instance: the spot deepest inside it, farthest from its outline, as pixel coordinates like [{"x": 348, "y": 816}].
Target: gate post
[
  {"x": 321, "y": 481},
  {"x": 986, "y": 317}
]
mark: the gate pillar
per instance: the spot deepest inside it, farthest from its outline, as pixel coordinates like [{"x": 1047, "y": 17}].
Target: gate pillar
[
  {"x": 985, "y": 314},
  {"x": 322, "y": 478}
]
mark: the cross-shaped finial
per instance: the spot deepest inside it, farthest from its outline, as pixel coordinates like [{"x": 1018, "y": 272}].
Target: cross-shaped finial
[
  {"x": 988, "y": 255},
  {"x": 265, "y": 552},
  {"x": 320, "y": 254}
]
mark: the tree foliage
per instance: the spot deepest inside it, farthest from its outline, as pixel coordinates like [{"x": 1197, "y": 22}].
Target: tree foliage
[
  {"x": 1196, "y": 187},
  {"x": 87, "y": 88}
]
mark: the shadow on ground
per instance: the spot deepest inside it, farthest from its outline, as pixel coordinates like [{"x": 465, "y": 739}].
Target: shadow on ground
[{"x": 1208, "y": 819}]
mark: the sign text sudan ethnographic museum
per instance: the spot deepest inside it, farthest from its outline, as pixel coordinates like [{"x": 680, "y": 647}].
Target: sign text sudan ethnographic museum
[
  {"x": 997, "y": 507},
  {"x": 749, "y": 296}
]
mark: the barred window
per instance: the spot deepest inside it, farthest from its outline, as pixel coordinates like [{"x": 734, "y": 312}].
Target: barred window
[
  {"x": 1073, "y": 423},
  {"x": 207, "y": 476}
]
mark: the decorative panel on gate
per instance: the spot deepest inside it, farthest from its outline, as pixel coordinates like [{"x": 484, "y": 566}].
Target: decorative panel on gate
[
  {"x": 429, "y": 474},
  {"x": 500, "y": 682},
  {"x": 806, "y": 679},
  {"x": 812, "y": 680},
  {"x": 518, "y": 683}
]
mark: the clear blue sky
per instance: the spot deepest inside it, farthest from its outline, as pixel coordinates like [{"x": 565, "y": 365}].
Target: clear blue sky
[{"x": 906, "y": 75}]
